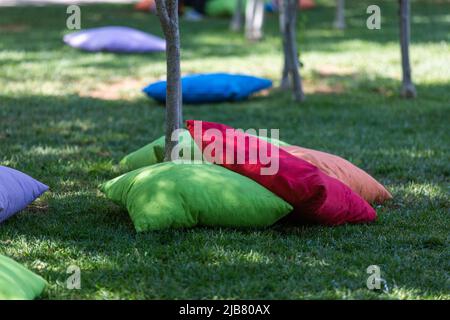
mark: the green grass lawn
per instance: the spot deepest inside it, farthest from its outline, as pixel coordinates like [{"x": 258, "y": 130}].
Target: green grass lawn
[{"x": 68, "y": 117}]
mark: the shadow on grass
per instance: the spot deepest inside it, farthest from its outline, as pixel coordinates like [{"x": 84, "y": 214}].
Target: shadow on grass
[{"x": 206, "y": 263}]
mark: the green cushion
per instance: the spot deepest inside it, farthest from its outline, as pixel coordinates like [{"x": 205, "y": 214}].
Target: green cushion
[
  {"x": 221, "y": 7},
  {"x": 17, "y": 282},
  {"x": 153, "y": 153},
  {"x": 170, "y": 195}
]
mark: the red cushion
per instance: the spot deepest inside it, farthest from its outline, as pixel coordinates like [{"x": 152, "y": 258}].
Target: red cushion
[{"x": 315, "y": 196}]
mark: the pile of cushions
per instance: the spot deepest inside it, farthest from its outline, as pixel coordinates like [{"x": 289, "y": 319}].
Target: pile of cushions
[
  {"x": 115, "y": 39},
  {"x": 17, "y": 282},
  {"x": 17, "y": 191},
  {"x": 308, "y": 187},
  {"x": 213, "y": 87},
  {"x": 315, "y": 196}
]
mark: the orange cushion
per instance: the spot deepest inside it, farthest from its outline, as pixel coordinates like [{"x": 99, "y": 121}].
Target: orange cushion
[
  {"x": 306, "y": 4},
  {"x": 356, "y": 179}
]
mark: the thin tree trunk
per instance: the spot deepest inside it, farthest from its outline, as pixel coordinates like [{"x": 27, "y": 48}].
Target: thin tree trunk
[
  {"x": 285, "y": 75},
  {"x": 291, "y": 70},
  {"x": 408, "y": 90},
  {"x": 283, "y": 24},
  {"x": 254, "y": 19},
  {"x": 168, "y": 16},
  {"x": 296, "y": 79},
  {"x": 339, "y": 22},
  {"x": 238, "y": 17}
]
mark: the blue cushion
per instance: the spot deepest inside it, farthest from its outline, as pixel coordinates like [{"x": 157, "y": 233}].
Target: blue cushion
[
  {"x": 214, "y": 87},
  {"x": 17, "y": 191}
]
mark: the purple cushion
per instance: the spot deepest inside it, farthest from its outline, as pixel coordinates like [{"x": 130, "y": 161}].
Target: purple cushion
[
  {"x": 17, "y": 191},
  {"x": 115, "y": 39}
]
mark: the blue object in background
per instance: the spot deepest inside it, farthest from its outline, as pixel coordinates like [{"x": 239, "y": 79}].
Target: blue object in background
[
  {"x": 271, "y": 7},
  {"x": 214, "y": 87}
]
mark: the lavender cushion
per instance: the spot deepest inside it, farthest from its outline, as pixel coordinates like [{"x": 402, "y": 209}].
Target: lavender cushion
[
  {"x": 17, "y": 191},
  {"x": 115, "y": 39}
]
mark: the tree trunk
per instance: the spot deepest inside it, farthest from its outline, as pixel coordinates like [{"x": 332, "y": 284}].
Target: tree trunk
[
  {"x": 238, "y": 17},
  {"x": 291, "y": 69},
  {"x": 168, "y": 16},
  {"x": 283, "y": 27},
  {"x": 339, "y": 22},
  {"x": 408, "y": 90},
  {"x": 285, "y": 75},
  {"x": 254, "y": 19}
]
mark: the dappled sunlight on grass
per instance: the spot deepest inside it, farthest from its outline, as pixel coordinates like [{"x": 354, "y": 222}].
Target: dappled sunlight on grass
[
  {"x": 435, "y": 195},
  {"x": 49, "y": 151}
]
